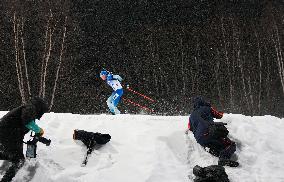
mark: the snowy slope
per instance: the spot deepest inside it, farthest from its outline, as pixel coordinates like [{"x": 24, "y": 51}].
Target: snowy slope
[
  {"x": 151, "y": 149},
  {"x": 260, "y": 149}
]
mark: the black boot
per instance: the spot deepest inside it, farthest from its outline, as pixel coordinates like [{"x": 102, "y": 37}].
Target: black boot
[
  {"x": 13, "y": 169},
  {"x": 227, "y": 162}
]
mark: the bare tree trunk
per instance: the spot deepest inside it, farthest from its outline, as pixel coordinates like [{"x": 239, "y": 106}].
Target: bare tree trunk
[
  {"x": 240, "y": 64},
  {"x": 182, "y": 64},
  {"x": 238, "y": 56},
  {"x": 228, "y": 63},
  {"x": 260, "y": 73},
  {"x": 233, "y": 71},
  {"x": 18, "y": 63},
  {"x": 44, "y": 56},
  {"x": 194, "y": 78},
  {"x": 198, "y": 68},
  {"x": 250, "y": 95},
  {"x": 268, "y": 75},
  {"x": 244, "y": 84},
  {"x": 217, "y": 69},
  {"x": 59, "y": 65},
  {"x": 280, "y": 62},
  {"x": 25, "y": 61},
  {"x": 47, "y": 60}
]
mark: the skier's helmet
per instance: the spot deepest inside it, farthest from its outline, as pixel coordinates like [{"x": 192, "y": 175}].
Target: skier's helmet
[{"x": 103, "y": 72}]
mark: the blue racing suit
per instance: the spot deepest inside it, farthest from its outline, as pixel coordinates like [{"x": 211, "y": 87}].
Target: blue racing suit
[{"x": 113, "y": 100}]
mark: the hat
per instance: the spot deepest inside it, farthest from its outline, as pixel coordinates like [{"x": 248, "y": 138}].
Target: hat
[
  {"x": 199, "y": 102},
  {"x": 41, "y": 106},
  {"x": 103, "y": 72}
]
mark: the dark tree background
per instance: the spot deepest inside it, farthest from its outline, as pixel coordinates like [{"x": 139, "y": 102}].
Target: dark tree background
[{"x": 230, "y": 52}]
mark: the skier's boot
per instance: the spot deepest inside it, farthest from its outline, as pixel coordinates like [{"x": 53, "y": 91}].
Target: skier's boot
[{"x": 116, "y": 111}]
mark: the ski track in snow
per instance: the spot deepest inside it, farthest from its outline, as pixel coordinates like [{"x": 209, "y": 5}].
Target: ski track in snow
[{"x": 147, "y": 148}]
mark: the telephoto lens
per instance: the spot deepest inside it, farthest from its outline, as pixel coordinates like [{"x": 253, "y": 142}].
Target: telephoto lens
[
  {"x": 81, "y": 135},
  {"x": 90, "y": 137},
  {"x": 44, "y": 141}
]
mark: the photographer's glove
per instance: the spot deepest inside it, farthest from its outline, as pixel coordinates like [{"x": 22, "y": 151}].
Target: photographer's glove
[
  {"x": 216, "y": 114},
  {"x": 41, "y": 132}
]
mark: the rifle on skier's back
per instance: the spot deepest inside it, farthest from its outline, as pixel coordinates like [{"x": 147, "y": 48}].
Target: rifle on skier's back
[{"x": 90, "y": 139}]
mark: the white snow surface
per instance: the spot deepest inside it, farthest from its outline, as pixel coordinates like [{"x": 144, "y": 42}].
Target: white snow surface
[{"x": 148, "y": 148}]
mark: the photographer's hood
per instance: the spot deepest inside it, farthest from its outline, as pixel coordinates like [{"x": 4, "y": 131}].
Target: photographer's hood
[
  {"x": 41, "y": 106},
  {"x": 199, "y": 102}
]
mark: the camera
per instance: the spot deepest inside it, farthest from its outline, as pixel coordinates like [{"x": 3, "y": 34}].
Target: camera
[
  {"x": 213, "y": 173},
  {"x": 32, "y": 145},
  {"x": 90, "y": 138}
]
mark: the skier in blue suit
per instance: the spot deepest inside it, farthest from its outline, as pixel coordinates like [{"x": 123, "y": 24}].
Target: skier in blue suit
[{"x": 114, "y": 82}]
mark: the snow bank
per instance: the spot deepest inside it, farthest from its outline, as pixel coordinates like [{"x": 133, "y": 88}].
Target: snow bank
[
  {"x": 260, "y": 149},
  {"x": 147, "y": 148}
]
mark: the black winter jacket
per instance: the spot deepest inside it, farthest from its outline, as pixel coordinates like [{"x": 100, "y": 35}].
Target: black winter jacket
[
  {"x": 200, "y": 119},
  {"x": 13, "y": 130}
]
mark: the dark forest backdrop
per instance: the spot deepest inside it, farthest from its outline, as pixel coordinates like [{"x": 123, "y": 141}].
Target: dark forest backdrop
[{"x": 231, "y": 52}]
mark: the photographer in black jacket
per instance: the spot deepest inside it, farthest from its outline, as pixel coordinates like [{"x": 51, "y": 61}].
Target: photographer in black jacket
[
  {"x": 210, "y": 134},
  {"x": 13, "y": 127}
]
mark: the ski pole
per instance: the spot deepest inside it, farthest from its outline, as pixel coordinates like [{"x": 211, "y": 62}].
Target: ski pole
[
  {"x": 142, "y": 95},
  {"x": 136, "y": 104}
]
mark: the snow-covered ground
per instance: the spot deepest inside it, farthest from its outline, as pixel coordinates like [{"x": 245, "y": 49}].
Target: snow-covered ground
[{"x": 147, "y": 148}]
